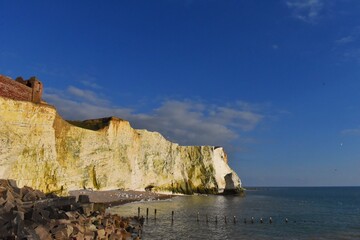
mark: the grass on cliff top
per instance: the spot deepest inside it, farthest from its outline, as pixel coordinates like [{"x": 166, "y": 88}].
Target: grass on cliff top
[{"x": 93, "y": 124}]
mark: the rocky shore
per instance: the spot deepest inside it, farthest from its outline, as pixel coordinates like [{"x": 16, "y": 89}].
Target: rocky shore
[{"x": 26, "y": 213}]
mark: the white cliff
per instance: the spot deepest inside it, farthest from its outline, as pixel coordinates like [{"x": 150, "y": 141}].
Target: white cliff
[{"x": 40, "y": 149}]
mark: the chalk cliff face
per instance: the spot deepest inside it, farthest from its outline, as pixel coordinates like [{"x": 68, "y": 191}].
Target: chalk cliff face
[{"x": 40, "y": 149}]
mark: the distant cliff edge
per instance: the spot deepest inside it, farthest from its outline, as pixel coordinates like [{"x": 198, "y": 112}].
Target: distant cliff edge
[{"x": 41, "y": 150}]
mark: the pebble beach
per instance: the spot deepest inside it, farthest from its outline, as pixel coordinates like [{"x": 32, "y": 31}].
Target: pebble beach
[{"x": 111, "y": 198}]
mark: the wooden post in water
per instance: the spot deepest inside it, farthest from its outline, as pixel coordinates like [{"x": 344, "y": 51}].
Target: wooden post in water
[
  {"x": 197, "y": 218},
  {"x": 155, "y": 214},
  {"x": 138, "y": 212},
  {"x": 225, "y": 219},
  {"x": 234, "y": 219},
  {"x": 207, "y": 219},
  {"x": 215, "y": 219},
  {"x": 147, "y": 213},
  {"x": 172, "y": 216}
]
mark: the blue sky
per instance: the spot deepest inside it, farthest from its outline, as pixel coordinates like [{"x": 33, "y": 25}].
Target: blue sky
[{"x": 274, "y": 82}]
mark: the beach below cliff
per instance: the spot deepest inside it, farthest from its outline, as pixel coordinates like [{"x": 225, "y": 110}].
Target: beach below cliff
[
  {"x": 110, "y": 198},
  {"x": 27, "y": 213}
]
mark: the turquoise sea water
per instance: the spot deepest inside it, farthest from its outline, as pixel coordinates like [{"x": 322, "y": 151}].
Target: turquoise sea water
[{"x": 313, "y": 213}]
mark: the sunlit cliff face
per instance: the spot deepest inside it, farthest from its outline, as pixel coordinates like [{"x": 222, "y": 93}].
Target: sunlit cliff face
[{"x": 39, "y": 149}]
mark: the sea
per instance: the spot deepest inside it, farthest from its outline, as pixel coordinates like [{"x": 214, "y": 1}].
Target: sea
[{"x": 311, "y": 213}]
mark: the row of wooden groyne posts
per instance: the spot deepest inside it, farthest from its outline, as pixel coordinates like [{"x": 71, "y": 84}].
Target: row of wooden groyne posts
[{"x": 234, "y": 220}]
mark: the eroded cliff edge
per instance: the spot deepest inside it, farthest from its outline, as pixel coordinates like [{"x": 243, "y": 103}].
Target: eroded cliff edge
[{"x": 40, "y": 149}]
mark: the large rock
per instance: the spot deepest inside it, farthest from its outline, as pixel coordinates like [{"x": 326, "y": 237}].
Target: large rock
[{"x": 41, "y": 150}]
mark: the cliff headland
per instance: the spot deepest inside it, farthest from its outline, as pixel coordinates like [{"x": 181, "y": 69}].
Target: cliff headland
[{"x": 41, "y": 150}]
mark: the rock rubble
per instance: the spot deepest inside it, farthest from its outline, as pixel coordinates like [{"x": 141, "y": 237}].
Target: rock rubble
[{"x": 26, "y": 213}]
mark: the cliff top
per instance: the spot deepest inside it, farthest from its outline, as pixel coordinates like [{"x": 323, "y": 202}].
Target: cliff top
[{"x": 94, "y": 124}]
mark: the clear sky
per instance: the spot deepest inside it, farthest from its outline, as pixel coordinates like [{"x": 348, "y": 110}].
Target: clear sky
[{"x": 277, "y": 83}]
